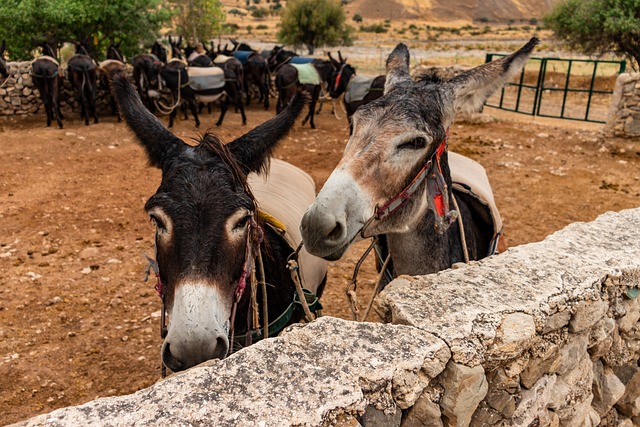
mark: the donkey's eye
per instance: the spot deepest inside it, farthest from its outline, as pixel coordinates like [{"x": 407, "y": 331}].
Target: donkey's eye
[
  {"x": 243, "y": 222},
  {"x": 160, "y": 226},
  {"x": 414, "y": 144}
]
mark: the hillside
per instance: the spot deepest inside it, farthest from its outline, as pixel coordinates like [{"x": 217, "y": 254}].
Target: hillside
[
  {"x": 452, "y": 10},
  {"x": 436, "y": 11}
]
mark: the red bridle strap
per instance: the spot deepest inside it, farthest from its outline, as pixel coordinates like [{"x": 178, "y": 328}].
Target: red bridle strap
[
  {"x": 398, "y": 201},
  {"x": 335, "y": 86}
]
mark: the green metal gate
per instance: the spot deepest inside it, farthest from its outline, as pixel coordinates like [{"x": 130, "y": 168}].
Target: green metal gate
[{"x": 572, "y": 89}]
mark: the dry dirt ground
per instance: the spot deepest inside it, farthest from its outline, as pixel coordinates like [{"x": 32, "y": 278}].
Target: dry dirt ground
[{"x": 76, "y": 320}]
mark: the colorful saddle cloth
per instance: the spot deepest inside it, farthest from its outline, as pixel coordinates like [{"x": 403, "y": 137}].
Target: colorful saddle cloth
[
  {"x": 202, "y": 79},
  {"x": 307, "y": 74}
]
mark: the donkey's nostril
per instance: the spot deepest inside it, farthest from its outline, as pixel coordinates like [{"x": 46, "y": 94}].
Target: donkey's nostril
[
  {"x": 337, "y": 232},
  {"x": 222, "y": 348},
  {"x": 169, "y": 361}
]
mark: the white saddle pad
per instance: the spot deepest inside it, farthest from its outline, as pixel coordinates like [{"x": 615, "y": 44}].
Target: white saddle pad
[
  {"x": 205, "y": 78},
  {"x": 285, "y": 193}
]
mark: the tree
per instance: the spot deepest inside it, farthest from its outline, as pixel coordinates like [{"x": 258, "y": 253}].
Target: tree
[
  {"x": 132, "y": 21},
  {"x": 598, "y": 26},
  {"x": 314, "y": 23},
  {"x": 198, "y": 20}
]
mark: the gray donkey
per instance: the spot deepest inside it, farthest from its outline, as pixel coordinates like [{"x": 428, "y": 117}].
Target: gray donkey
[{"x": 395, "y": 176}]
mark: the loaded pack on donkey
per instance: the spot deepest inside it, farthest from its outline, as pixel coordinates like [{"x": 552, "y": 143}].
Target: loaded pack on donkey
[{"x": 193, "y": 85}]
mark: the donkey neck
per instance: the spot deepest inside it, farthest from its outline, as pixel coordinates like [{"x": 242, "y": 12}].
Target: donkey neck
[{"x": 422, "y": 250}]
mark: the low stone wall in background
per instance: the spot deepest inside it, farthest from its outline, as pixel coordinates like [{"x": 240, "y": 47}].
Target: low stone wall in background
[
  {"x": 624, "y": 112},
  {"x": 546, "y": 334},
  {"x": 19, "y": 96}
]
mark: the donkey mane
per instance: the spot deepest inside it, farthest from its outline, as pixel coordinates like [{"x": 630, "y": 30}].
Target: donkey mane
[{"x": 214, "y": 145}]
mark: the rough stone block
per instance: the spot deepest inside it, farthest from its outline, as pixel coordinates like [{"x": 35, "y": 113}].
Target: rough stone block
[
  {"x": 547, "y": 362},
  {"x": 424, "y": 413},
  {"x": 376, "y": 418},
  {"x": 535, "y": 401},
  {"x": 601, "y": 331},
  {"x": 514, "y": 334},
  {"x": 464, "y": 388},
  {"x": 556, "y": 321},
  {"x": 607, "y": 388},
  {"x": 572, "y": 352},
  {"x": 586, "y": 314}
]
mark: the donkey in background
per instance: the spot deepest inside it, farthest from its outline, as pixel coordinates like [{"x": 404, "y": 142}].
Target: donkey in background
[
  {"x": 357, "y": 90},
  {"x": 45, "y": 74},
  {"x": 144, "y": 66},
  {"x": 83, "y": 78},
  {"x": 207, "y": 228},
  {"x": 4, "y": 71},
  {"x": 114, "y": 64},
  {"x": 394, "y": 178}
]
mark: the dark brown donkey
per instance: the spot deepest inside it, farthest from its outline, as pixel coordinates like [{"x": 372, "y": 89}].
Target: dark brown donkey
[
  {"x": 208, "y": 230},
  {"x": 83, "y": 78},
  {"x": 45, "y": 74},
  {"x": 4, "y": 70},
  {"x": 114, "y": 64}
]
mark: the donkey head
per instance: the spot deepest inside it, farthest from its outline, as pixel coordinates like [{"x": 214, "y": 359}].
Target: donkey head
[
  {"x": 393, "y": 139},
  {"x": 341, "y": 77},
  {"x": 202, "y": 212},
  {"x": 176, "y": 47},
  {"x": 4, "y": 72},
  {"x": 113, "y": 51},
  {"x": 159, "y": 51}
]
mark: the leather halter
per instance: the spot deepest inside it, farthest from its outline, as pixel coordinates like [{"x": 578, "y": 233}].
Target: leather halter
[{"x": 425, "y": 172}]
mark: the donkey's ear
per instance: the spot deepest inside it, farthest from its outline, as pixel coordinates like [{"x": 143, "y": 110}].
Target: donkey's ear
[
  {"x": 2, "y": 47},
  {"x": 472, "y": 88},
  {"x": 253, "y": 149},
  {"x": 397, "y": 67},
  {"x": 160, "y": 144}
]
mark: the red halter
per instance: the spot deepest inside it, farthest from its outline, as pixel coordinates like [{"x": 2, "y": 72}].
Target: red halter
[{"x": 438, "y": 199}]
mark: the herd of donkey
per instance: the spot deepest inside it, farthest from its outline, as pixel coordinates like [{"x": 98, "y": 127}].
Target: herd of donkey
[
  {"x": 194, "y": 76},
  {"x": 239, "y": 257}
]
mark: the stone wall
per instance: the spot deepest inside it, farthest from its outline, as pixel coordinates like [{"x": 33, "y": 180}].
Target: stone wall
[
  {"x": 624, "y": 112},
  {"x": 546, "y": 334},
  {"x": 19, "y": 96}
]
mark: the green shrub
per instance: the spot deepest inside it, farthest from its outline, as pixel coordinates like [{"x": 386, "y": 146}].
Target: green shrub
[
  {"x": 262, "y": 27},
  {"x": 373, "y": 28},
  {"x": 357, "y": 18}
]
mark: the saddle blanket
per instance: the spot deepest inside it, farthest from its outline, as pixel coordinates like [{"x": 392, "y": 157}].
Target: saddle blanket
[
  {"x": 205, "y": 78},
  {"x": 47, "y": 58},
  {"x": 307, "y": 74},
  {"x": 470, "y": 179},
  {"x": 242, "y": 55},
  {"x": 358, "y": 88},
  {"x": 285, "y": 193},
  {"x": 301, "y": 60},
  {"x": 221, "y": 59},
  {"x": 109, "y": 62}
]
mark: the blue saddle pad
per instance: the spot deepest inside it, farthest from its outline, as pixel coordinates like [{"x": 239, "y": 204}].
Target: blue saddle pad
[
  {"x": 242, "y": 55},
  {"x": 300, "y": 60}
]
